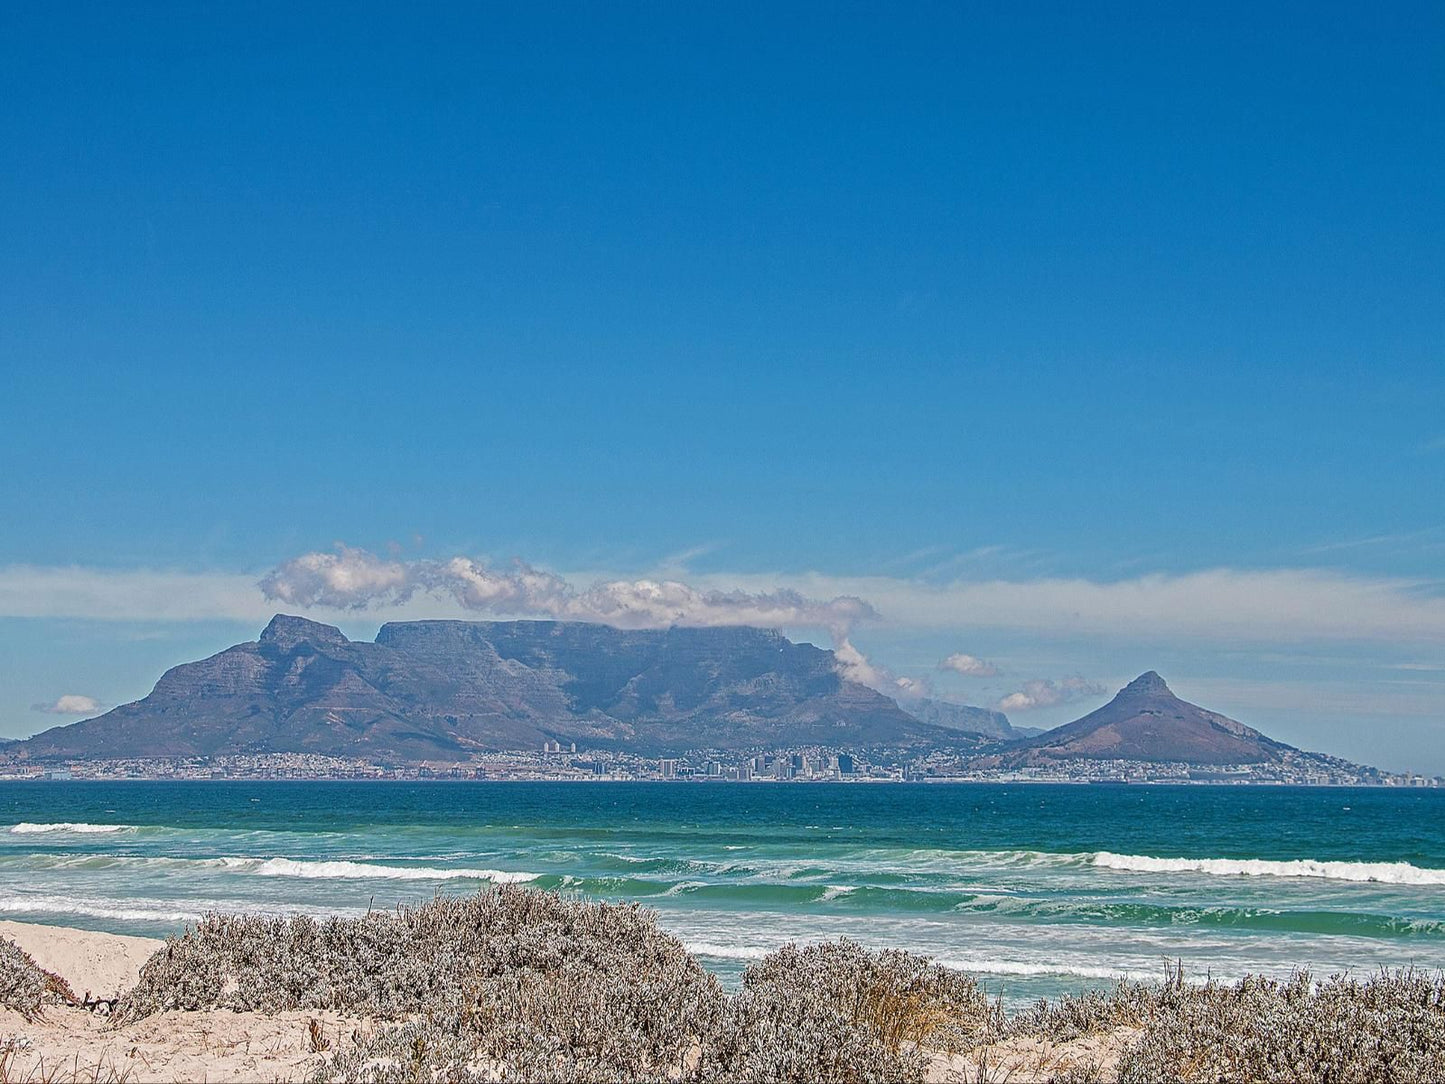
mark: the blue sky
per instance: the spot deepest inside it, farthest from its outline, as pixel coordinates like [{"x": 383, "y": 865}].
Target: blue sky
[{"x": 1082, "y": 341}]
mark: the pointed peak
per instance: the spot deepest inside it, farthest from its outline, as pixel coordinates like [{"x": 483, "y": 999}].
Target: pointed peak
[
  {"x": 1147, "y": 684},
  {"x": 287, "y": 631}
]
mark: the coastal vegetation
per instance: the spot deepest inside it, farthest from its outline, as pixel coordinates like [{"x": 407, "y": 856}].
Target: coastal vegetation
[
  {"x": 514, "y": 983},
  {"x": 27, "y": 988}
]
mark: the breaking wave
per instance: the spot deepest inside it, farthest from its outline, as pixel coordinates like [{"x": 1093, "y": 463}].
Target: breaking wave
[
  {"x": 725, "y": 952},
  {"x": 26, "y": 828},
  {"x": 353, "y": 871},
  {"x": 1393, "y": 873}
]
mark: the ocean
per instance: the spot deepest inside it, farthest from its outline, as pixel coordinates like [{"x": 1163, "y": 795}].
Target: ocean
[{"x": 1036, "y": 889}]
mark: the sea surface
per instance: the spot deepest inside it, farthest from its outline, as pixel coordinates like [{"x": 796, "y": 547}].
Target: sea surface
[{"x": 1037, "y": 889}]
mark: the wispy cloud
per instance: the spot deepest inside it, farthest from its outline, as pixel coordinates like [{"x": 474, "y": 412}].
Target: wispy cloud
[
  {"x": 1397, "y": 538},
  {"x": 1045, "y": 693},
  {"x": 70, "y": 704},
  {"x": 129, "y": 594},
  {"x": 1228, "y": 606},
  {"x": 1223, "y": 606},
  {"x": 968, "y": 665}
]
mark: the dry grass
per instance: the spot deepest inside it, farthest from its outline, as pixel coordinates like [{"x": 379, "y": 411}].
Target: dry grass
[{"x": 58, "y": 1072}]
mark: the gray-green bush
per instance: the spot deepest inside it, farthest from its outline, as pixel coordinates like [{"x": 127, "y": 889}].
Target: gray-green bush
[
  {"x": 520, "y": 985},
  {"x": 1390, "y": 1027},
  {"x": 25, "y": 987}
]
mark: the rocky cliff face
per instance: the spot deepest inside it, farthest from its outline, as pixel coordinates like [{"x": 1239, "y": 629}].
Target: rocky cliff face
[
  {"x": 1147, "y": 722},
  {"x": 962, "y": 717},
  {"x": 448, "y": 689}
]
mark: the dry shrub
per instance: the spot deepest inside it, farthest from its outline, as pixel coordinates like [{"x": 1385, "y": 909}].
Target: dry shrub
[
  {"x": 27, "y": 988},
  {"x": 837, "y": 1012},
  {"x": 515, "y": 984},
  {"x": 1069, "y": 1017},
  {"x": 511, "y": 981},
  {"x": 826, "y": 1013},
  {"x": 901, "y": 998},
  {"x": 1390, "y": 1027},
  {"x": 394, "y": 964}
]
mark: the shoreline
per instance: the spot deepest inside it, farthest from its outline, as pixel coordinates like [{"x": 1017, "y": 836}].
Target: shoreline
[{"x": 944, "y": 781}]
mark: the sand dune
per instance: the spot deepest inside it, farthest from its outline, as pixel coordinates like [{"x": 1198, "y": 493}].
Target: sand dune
[{"x": 102, "y": 965}]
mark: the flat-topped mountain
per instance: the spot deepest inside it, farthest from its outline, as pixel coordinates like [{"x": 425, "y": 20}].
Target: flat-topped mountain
[
  {"x": 1146, "y": 721},
  {"x": 430, "y": 690}
]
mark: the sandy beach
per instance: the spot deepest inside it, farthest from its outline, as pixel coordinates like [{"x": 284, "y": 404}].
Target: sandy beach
[{"x": 74, "y": 1043}]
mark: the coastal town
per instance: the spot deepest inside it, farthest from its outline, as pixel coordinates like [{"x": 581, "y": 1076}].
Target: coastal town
[{"x": 556, "y": 763}]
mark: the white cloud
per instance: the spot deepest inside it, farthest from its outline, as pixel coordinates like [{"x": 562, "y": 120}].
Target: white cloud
[
  {"x": 1223, "y": 606},
  {"x": 71, "y": 704},
  {"x": 854, "y": 666},
  {"x": 968, "y": 665},
  {"x": 346, "y": 579},
  {"x": 1044, "y": 693},
  {"x": 353, "y": 579},
  {"x": 911, "y": 688}
]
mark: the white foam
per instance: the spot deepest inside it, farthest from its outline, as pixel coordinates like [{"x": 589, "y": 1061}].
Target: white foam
[
  {"x": 1025, "y": 968},
  {"x": 170, "y": 911},
  {"x": 725, "y": 952},
  {"x": 684, "y": 886},
  {"x": 25, "y": 828},
  {"x": 833, "y": 892},
  {"x": 66, "y": 905},
  {"x": 1394, "y": 873},
  {"x": 357, "y": 871}
]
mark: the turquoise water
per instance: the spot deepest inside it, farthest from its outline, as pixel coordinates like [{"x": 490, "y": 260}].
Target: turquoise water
[{"x": 1037, "y": 889}]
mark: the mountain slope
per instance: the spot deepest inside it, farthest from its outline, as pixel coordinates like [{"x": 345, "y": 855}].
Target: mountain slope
[
  {"x": 962, "y": 717},
  {"x": 449, "y": 689},
  {"x": 1147, "y": 722}
]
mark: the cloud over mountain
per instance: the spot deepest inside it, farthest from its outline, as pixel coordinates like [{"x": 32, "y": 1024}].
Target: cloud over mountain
[
  {"x": 70, "y": 704},
  {"x": 968, "y": 665},
  {"x": 357, "y": 579},
  {"x": 1045, "y": 693}
]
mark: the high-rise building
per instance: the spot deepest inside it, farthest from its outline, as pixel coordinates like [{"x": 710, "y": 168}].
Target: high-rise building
[{"x": 667, "y": 769}]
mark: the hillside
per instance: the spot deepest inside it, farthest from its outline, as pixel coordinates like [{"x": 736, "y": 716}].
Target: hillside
[
  {"x": 1145, "y": 721},
  {"x": 428, "y": 690}
]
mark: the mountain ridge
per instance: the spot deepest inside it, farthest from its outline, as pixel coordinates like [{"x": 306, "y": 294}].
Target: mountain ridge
[{"x": 450, "y": 690}]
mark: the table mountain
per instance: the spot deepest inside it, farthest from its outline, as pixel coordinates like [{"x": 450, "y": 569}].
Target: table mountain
[{"x": 443, "y": 690}]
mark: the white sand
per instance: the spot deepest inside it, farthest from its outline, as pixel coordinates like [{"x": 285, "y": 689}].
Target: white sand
[
  {"x": 73, "y": 1045},
  {"x": 102, "y": 965},
  {"x": 1034, "y": 1061}
]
